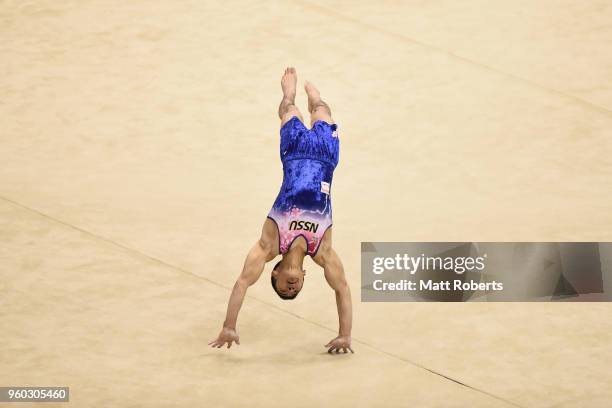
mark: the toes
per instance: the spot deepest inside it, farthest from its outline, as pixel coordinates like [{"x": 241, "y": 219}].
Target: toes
[{"x": 310, "y": 88}]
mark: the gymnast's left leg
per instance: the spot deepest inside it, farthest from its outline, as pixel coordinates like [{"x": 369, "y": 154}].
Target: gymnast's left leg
[{"x": 319, "y": 110}]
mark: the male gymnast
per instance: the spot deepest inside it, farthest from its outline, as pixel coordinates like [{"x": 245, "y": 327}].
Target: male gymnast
[{"x": 300, "y": 220}]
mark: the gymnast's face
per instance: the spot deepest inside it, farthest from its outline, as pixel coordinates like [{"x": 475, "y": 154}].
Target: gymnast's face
[{"x": 288, "y": 281}]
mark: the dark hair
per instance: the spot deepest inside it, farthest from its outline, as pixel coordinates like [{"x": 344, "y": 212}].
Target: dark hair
[{"x": 273, "y": 280}]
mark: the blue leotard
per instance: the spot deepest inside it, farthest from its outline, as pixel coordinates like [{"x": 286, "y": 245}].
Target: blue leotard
[{"x": 303, "y": 205}]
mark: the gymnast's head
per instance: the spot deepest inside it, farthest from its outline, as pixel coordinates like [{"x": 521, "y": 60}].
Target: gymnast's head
[{"x": 287, "y": 281}]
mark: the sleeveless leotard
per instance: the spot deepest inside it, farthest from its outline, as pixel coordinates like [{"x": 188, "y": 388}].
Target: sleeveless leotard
[{"x": 303, "y": 205}]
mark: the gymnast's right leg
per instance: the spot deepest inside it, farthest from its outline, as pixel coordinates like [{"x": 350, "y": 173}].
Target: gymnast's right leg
[{"x": 287, "y": 108}]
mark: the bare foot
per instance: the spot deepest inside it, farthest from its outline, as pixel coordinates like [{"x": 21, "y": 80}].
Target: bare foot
[
  {"x": 313, "y": 95},
  {"x": 288, "y": 83}
]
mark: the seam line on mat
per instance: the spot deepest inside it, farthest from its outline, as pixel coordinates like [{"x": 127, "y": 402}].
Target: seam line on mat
[
  {"x": 405, "y": 38},
  {"x": 154, "y": 259}
]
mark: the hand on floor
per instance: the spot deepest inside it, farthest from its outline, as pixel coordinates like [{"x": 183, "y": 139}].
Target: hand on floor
[
  {"x": 339, "y": 343},
  {"x": 226, "y": 336}
]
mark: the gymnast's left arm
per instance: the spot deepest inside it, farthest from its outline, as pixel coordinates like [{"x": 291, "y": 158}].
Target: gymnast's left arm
[{"x": 334, "y": 274}]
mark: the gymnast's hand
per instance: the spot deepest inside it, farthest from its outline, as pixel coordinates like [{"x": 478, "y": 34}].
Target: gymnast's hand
[
  {"x": 228, "y": 336},
  {"x": 339, "y": 343}
]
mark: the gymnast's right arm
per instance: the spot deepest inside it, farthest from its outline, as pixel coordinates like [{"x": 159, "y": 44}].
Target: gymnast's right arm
[{"x": 251, "y": 271}]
